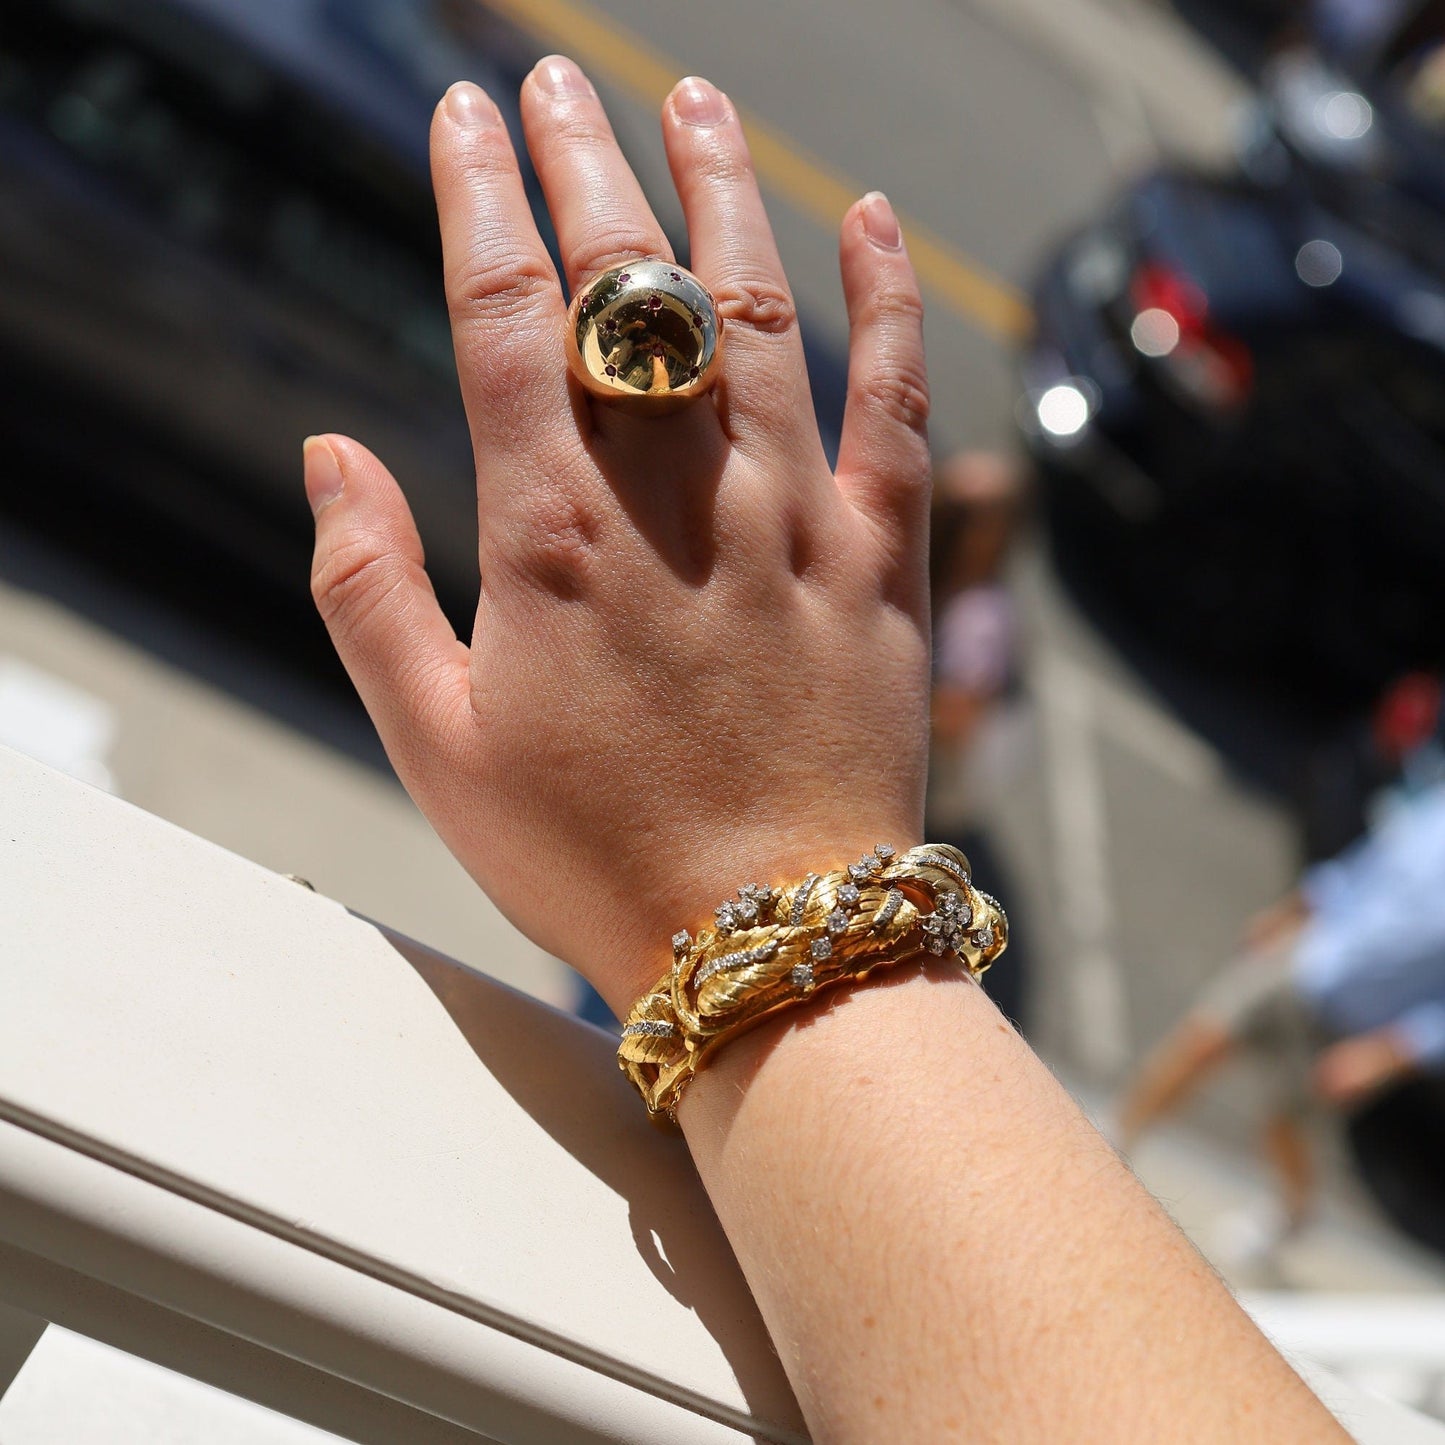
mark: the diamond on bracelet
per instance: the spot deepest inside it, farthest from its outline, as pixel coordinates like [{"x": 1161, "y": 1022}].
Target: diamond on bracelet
[
  {"x": 888, "y": 910},
  {"x": 761, "y": 954},
  {"x": 942, "y": 862},
  {"x": 727, "y": 917},
  {"x": 946, "y": 924},
  {"x": 848, "y": 894},
  {"x": 822, "y": 948},
  {"x": 681, "y": 942},
  {"x": 884, "y": 851},
  {"x": 801, "y": 976},
  {"x": 652, "y": 1028},
  {"x": 952, "y": 906},
  {"x": 837, "y": 921},
  {"x": 990, "y": 901},
  {"x": 983, "y": 937},
  {"x": 801, "y": 894}
]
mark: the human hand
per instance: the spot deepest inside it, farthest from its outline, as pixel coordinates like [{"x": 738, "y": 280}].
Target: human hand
[
  {"x": 1273, "y": 924},
  {"x": 700, "y": 659},
  {"x": 1350, "y": 1071}
]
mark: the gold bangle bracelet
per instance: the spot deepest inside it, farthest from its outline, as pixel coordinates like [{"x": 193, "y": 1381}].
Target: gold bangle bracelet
[{"x": 773, "y": 947}]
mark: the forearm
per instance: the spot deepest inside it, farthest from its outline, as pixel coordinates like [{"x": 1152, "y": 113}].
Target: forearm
[{"x": 943, "y": 1247}]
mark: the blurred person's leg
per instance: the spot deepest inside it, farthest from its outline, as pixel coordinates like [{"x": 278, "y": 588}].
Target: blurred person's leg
[
  {"x": 1248, "y": 1240},
  {"x": 1286, "y": 1148},
  {"x": 1173, "y": 1072},
  {"x": 1252, "y": 1003}
]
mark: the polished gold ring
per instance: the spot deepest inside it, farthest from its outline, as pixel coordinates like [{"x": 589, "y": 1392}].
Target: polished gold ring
[{"x": 646, "y": 335}]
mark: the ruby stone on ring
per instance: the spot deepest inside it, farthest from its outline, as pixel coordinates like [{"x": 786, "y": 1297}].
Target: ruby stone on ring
[{"x": 646, "y": 335}]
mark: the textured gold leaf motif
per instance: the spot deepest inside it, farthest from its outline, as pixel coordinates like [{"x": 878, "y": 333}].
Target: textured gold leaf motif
[{"x": 772, "y": 947}]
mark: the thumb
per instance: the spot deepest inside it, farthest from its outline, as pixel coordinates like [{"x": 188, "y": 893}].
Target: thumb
[{"x": 369, "y": 581}]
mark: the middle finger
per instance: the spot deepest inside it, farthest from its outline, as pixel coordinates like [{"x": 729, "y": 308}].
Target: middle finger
[
  {"x": 602, "y": 220},
  {"x": 602, "y": 217}
]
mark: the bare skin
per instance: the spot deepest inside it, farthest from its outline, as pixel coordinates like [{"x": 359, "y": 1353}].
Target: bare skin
[
  {"x": 1286, "y": 1147},
  {"x": 1351, "y": 1071},
  {"x": 701, "y": 658}
]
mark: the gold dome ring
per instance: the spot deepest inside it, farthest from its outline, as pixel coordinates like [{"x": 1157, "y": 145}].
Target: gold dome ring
[{"x": 646, "y": 335}]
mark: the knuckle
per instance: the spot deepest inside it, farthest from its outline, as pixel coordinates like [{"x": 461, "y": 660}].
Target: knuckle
[
  {"x": 495, "y": 286},
  {"x": 352, "y": 581},
  {"x": 887, "y": 306},
  {"x": 897, "y": 391},
  {"x": 759, "y": 302},
  {"x": 555, "y": 550},
  {"x": 584, "y": 124},
  {"x": 725, "y": 162},
  {"x": 905, "y": 481},
  {"x": 614, "y": 244}
]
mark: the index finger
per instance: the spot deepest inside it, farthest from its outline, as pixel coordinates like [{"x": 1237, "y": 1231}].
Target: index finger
[{"x": 502, "y": 290}]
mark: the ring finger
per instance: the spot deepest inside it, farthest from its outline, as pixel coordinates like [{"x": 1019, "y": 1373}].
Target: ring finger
[{"x": 734, "y": 252}]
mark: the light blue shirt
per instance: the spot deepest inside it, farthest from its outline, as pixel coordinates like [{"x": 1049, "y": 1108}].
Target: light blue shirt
[{"x": 1373, "y": 950}]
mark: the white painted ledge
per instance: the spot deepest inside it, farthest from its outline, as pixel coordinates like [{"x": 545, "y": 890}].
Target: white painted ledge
[
  {"x": 255, "y": 1139},
  {"x": 233, "y": 1111}
]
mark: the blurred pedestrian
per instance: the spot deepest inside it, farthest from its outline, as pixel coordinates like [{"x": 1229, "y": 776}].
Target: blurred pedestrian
[
  {"x": 977, "y": 506},
  {"x": 1359, "y": 771},
  {"x": 979, "y": 720},
  {"x": 1339, "y": 992}
]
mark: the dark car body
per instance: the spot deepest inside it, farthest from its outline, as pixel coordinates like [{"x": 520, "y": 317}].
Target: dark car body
[
  {"x": 1270, "y": 494},
  {"x": 1256, "y": 461},
  {"x": 217, "y": 235}
]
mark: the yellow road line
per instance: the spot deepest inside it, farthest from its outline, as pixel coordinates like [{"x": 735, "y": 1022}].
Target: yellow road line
[{"x": 821, "y": 193}]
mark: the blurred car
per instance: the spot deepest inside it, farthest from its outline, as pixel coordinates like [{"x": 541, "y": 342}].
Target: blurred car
[
  {"x": 1237, "y": 407},
  {"x": 1243, "y": 30},
  {"x": 1357, "y": 117},
  {"x": 217, "y": 235},
  {"x": 1236, "y": 392}
]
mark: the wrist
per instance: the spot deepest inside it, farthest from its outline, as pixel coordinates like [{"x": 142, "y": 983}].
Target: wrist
[
  {"x": 633, "y": 954},
  {"x": 795, "y": 1058},
  {"x": 772, "y": 948}
]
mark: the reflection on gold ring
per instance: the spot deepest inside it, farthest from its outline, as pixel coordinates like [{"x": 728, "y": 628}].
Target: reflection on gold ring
[{"x": 645, "y": 333}]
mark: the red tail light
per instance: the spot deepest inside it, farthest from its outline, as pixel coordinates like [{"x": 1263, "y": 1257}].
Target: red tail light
[
  {"x": 1156, "y": 287},
  {"x": 1172, "y": 325}
]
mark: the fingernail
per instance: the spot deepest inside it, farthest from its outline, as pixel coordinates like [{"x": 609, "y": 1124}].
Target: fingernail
[
  {"x": 470, "y": 107},
  {"x": 323, "y": 475},
  {"x": 879, "y": 223},
  {"x": 698, "y": 103},
  {"x": 559, "y": 76}
]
